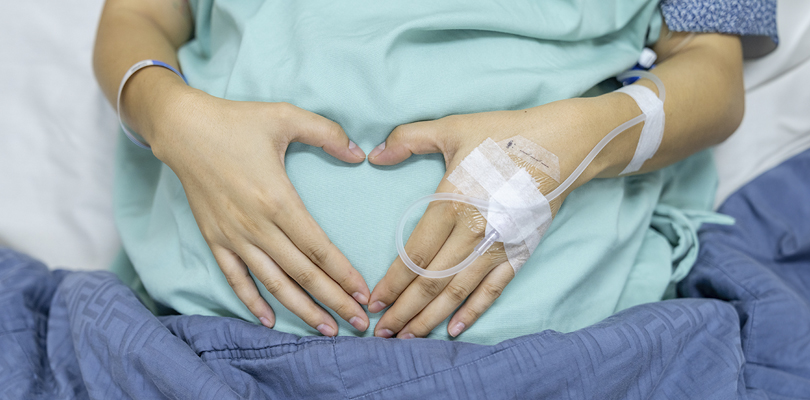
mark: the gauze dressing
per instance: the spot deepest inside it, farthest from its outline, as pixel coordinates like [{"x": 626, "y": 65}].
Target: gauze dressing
[{"x": 517, "y": 213}]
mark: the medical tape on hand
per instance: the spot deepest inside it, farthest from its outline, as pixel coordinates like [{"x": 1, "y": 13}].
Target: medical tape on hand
[
  {"x": 653, "y": 131},
  {"x": 519, "y": 212}
]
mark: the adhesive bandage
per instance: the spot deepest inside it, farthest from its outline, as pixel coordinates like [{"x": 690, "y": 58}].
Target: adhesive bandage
[
  {"x": 653, "y": 130},
  {"x": 488, "y": 173},
  {"x": 517, "y": 213}
]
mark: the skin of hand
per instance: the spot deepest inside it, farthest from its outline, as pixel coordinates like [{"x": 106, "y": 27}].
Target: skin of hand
[
  {"x": 229, "y": 157},
  {"x": 704, "y": 106},
  {"x": 445, "y": 236}
]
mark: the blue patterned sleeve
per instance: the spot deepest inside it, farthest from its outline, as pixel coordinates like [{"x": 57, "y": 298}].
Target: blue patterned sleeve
[{"x": 754, "y": 20}]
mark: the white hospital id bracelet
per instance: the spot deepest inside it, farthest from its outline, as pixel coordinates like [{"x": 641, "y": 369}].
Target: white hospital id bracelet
[{"x": 135, "y": 138}]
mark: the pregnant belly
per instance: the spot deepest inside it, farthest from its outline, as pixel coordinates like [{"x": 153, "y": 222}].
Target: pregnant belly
[{"x": 359, "y": 206}]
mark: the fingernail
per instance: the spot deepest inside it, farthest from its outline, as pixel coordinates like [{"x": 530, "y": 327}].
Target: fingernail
[
  {"x": 265, "y": 322},
  {"x": 408, "y": 336},
  {"x": 325, "y": 330},
  {"x": 457, "y": 328},
  {"x": 385, "y": 333},
  {"x": 358, "y": 323},
  {"x": 360, "y": 298},
  {"x": 356, "y": 149},
  {"x": 376, "y": 307},
  {"x": 377, "y": 150}
]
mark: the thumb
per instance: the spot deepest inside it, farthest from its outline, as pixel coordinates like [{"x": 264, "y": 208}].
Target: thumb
[
  {"x": 415, "y": 138},
  {"x": 322, "y": 132}
]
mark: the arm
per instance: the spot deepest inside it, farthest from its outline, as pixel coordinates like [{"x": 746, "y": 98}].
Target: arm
[
  {"x": 131, "y": 31},
  {"x": 252, "y": 222},
  {"x": 704, "y": 105},
  {"x": 705, "y": 101}
]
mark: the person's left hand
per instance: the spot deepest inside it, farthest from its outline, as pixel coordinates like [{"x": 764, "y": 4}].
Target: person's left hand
[{"x": 447, "y": 233}]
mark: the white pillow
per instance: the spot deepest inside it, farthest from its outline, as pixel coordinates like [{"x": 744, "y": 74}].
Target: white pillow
[
  {"x": 776, "y": 125},
  {"x": 57, "y": 136}
]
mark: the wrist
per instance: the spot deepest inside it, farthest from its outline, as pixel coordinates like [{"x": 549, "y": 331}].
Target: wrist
[
  {"x": 571, "y": 128},
  {"x": 147, "y": 100},
  {"x": 605, "y": 113}
]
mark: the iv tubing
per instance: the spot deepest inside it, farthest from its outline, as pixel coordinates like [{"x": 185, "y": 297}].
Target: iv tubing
[{"x": 493, "y": 235}]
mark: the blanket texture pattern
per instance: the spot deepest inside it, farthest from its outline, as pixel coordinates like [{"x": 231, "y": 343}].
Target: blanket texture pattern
[{"x": 742, "y": 332}]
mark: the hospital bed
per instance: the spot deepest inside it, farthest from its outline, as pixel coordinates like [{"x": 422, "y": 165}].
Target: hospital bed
[{"x": 57, "y": 138}]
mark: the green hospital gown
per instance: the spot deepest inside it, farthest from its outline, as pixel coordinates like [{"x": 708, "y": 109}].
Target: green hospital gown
[{"x": 371, "y": 66}]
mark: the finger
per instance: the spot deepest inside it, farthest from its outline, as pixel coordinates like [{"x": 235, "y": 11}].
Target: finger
[
  {"x": 311, "y": 240},
  {"x": 287, "y": 292},
  {"x": 423, "y": 290},
  {"x": 318, "y": 131},
  {"x": 481, "y": 299},
  {"x": 314, "y": 280},
  {"x": 238, "y": 276},
  {"x": 449, "y": 299},
  {"x": 424, "y": 243},
  {"x": 416, "y": 138}
]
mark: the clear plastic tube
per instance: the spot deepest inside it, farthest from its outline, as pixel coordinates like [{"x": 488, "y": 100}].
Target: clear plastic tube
[
  {"x": 493, "y": 236},
  {"x": 480, "y": 249}
]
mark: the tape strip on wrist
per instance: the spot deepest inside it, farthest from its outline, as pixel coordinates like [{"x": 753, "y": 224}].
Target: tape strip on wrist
[
  {"x": 489, "y": 173},
  {"x": 653, "y": 131},
  {"x": 134, "y": 137}
]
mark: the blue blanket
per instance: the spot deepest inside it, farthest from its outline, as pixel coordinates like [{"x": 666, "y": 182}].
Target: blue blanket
[{"x": 742, "y": 332}]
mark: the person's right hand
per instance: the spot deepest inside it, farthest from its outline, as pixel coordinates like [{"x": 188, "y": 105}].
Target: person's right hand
[{"x": 229, "y": 156}]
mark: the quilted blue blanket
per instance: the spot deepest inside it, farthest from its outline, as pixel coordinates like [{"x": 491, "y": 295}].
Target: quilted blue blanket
[{"x": 741, "y": 331}]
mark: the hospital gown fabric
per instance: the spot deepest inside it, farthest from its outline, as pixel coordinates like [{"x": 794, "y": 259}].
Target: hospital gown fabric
[
  {"x": 371, "y": 66},
  {"x": 744, "y": 335}
]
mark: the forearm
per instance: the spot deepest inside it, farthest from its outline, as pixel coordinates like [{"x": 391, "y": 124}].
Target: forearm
[
  {"x": 704, "y": 105},
  {"x": 131, "y": 31}
]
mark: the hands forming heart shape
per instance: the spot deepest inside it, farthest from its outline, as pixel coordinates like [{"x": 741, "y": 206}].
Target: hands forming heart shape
[{"x": 270, "y": 234}]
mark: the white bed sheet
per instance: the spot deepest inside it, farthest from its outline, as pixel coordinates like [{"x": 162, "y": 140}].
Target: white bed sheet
[
  {"x": 776, "y": 125},
  {"x": 57, "y": 133}
]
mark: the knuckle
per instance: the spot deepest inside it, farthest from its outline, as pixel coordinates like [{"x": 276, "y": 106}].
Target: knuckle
[
  {"x": 254, "y": 303},
  {"x": 332, "y": 130},
  {"x": 430, "y": 287},
  {"x": 319, "y": 254},
  {"x": 306, "y": 277},
  {"x": 237, "y": 280},
  {"x": 491, "y": 291},
  {"x": 285, "y": 116},
  {"x": 232, "y": 281},
  {"x": 343, "y": 309},
  {"x": 398, "y": 132},
  {"x": 284, "y": 110},
  {"x": 349, "y": 278},
  {"x": 399, "y": 320},
  {"x": 388, "y": 293},
  {"x": 270, "y": 202},
  {"x": 471, "y": 314},
  {"x": 220, "y": 231},
  {"x": 247, "y": 222},
  {"x": 419, "y": 259},
  {"x": 275, "y": 205},
  {"x": 272, "y": 285},
  {"x": 419, "y": 327},
  {"x": 456, "y": 293}
]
